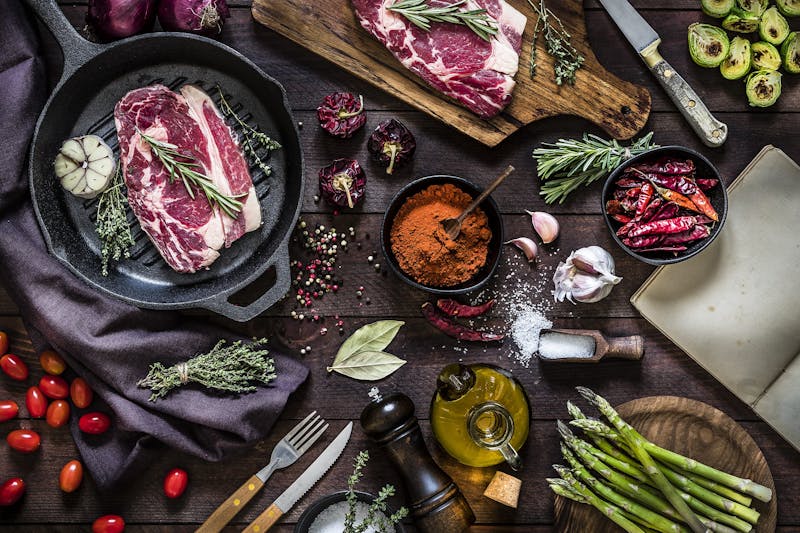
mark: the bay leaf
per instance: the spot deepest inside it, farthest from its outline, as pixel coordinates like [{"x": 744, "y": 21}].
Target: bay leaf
[
  {"x": 368, "y": 365},
  {"x": 374, "y": 337}
]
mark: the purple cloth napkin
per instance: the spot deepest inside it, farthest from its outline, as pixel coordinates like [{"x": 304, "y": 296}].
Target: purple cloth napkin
[{"x": 106, "y": 341}]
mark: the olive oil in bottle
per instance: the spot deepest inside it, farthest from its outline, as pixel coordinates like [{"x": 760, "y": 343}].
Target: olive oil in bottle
[{"x": 480, "y": 415}]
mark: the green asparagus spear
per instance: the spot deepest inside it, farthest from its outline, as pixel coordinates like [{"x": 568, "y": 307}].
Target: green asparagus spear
[
  {"x": 711, "y": 498},
  {"x": 722, "y": 490}
]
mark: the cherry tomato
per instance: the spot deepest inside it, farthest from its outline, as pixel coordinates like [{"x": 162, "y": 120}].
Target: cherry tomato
[
  {"x": 175, "y": 483},
  {"x": 24, "y": 440},
  {"x": 71, "y": 476},
  {"x": 52, "y": 363},
  {"x": 35, "y": 402},
  {"x": 14, "y": 367},
  {"x": 11, "y": 491},
  {"x": 3, "y": 342},
  {"x": 81, "y": 393},
  {"x": 58, "y": 413},
  {"x": 8, "y": 410},
  {"x": 109, "y": 523},
  {"x": 54, "y": 387},
  {"x": 94, "y": 423}
]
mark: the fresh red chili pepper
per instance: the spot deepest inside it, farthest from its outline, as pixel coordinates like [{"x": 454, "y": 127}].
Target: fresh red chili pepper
[
  {"x": 447, "y": 326},
  {"x": 678, "y": 198},
  {"x": 624, "y": 219},
  {"x": 11, "y": 491},
  {"x": 14, "y": 367},
  {"x": 35, "y": 402},
  {"x": 454, "y": 308},
  {"x": 645, "y": 195},
  {"x": 706, "y": 183},
  {"x": 661, "y": 227},
  {"x": 666, "y": 165},
  {"x": 8, "y": 410},
  {"x": 699, "y": 199}
]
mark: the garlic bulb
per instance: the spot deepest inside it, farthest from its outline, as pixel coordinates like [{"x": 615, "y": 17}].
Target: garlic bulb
[
  {"x": 586, "y": 276},
  {"x": 85, "y": 166}
]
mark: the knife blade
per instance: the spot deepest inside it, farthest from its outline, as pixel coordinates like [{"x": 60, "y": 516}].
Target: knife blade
[
  {"x": 645, "y": 41},
  {"x": 302, "y": 484}
]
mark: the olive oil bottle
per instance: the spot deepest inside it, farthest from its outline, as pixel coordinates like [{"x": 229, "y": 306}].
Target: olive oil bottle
[{"x": 480, "y": 415}]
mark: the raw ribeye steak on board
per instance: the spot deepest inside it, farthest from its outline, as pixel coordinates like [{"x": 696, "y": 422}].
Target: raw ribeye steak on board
[
  {"x": 188, "y": 232},
  {"x": 452, "y": 59}
]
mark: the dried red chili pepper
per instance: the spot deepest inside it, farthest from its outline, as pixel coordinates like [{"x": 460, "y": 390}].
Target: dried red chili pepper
[
  {"x": 454, "y": 308},
  {"x": 681, "y": 184},
  {"x": 645, "y": 195},
  {"x": 458, "y": 331},
  {"x": 678, "y": 198},
  {"x": 706, "y": 183},
  {"x": 663, "y": 249},
  {"x": 661, "y": 227},
  {"x": 666, "y": 166},
  {"x": 342, "y": 183},
  {"x": 628, "y": 205},
  {"x": 341, "y": 114},
  {"x": 613, "y": 207},
  {"x": 623, "y": 219},
  {"x": 667, "y": 210},
  {"x": 698, "y": 232},
  {"x": 391, "y": 144},
  {"x": 644, "y": 241},
  {"x": 628, "y": 182},
  {"x": 699, "y": 199},
  {"x": 652, "y": 208}
]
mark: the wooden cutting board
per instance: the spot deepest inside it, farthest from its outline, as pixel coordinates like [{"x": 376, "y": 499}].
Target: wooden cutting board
[
  {"x": 330, "y": 29},
  {"x": 693, "y": 429}
]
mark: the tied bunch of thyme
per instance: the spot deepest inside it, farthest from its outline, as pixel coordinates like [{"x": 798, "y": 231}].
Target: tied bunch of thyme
[
  {"x": 112, "y": 225},
  {"x": 256, "y": 144},
  {"x": 421, "y": 14},
  {"x": 558, "y": 43},
  {"x": 567, "y": 164},
  {"x": 375, "y": 514},
  {"x": 233, "y": 368}
]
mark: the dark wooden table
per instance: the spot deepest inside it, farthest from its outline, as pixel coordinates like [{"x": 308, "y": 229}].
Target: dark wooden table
[{"x": 665, "y": 370}]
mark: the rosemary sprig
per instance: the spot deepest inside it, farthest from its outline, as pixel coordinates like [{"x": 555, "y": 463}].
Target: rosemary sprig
[
  {"x": 569, "y": 163},
  {"x": 112, "y": 225},
  {"x": 419, "y": 13},
  {"x": 183, "y": 166},
  {"x": 252, "y": 137},
  {"x": 558, "y": 43}
]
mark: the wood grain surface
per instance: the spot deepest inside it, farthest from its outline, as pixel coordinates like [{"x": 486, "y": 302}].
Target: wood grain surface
[
  {"x": 693, "y": 429},
  {"x": 330, "y": 29}
]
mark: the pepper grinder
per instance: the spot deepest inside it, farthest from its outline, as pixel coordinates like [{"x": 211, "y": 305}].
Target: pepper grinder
[{"x": 436, "y": 503}]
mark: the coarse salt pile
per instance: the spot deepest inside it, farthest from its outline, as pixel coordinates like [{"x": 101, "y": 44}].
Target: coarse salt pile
[{"x": 554, "y": 345}]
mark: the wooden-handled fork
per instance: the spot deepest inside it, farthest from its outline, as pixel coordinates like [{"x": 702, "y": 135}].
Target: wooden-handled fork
[{"x": 286, "y": 452}]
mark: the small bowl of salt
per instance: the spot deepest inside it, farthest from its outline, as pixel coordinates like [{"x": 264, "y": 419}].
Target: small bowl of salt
[{"x": 327, "y": 515}]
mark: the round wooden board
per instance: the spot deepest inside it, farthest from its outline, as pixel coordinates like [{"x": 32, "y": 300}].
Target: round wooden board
[{"x": 693, "y": 429}]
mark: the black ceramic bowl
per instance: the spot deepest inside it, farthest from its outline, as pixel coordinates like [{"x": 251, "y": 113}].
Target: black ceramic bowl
[
  {"x": 313, "y": 511},
  {"x": 495, "y": 224},
  {"x": 718, "y": 196}
]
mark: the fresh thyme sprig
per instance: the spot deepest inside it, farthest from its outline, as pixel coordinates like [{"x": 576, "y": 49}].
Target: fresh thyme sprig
[
  {"x": 112, "y": 225},
  {"x": 252, "y": 136},
  {"x": 382, "y": 523},
  {"x": 419, "y": 13},
  {"x": 558, "y": 43},
  {"x": 567, "y": 164},
  {"x": 183, "y": 166}
]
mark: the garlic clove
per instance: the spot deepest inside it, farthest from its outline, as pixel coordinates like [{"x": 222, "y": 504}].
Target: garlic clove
[
  {"x": 545, "y": 225},
  {"x": 527, "y": 246}
]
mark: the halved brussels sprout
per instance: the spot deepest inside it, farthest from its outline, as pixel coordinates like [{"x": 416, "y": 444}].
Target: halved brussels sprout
[
  {"x": 773, "y": 27},
  {"x": 741, "y": 21},
  {"x": 765, "y": 56},
  {"x": 790, "y": 8},
  {"x": 756, "y": 7},
  {"x": 791, "y": 53},
  {"x": 738, "y": 62},
  {"x": 717, "y": 8},
  {"x": 708, "y": 45},
  {"x": 763, "y": 88}
]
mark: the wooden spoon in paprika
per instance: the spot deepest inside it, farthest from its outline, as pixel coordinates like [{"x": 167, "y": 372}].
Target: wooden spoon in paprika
[{"x": 452, "y": 226}]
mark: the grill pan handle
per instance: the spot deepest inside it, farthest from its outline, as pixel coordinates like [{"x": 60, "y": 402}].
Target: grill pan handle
[
  {"x": 221, "y": 305},
  {"x": 76, "y": 49}
]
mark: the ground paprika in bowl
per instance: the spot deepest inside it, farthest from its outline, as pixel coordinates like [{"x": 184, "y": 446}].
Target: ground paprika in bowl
[{"x": 418, "y": 251}]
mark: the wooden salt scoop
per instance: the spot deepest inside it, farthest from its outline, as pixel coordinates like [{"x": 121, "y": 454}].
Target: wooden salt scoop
[
  {"x": 631, "y": 347},
  {"x": 452, "y": 226}
]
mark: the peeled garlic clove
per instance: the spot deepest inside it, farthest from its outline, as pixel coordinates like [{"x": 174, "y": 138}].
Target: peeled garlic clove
[
  {"x": 527, "y": 246},
  {"x": 85, "y": 166},
  {"x": 545, "y": 225}
]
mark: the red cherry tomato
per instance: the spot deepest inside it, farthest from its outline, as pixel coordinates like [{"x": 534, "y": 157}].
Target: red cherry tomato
[
  {"x": 71, "y": 476},
  {"x": 3, "y": 342},
  {"x": 24, "y": 440},
  {"x": 8, "y": 410},
  {"x": 54, "y": 387},
  {"x": 52, "y": 363},
  {"x": 81, "y": 393},
  {"x": 14, "y": 367},
  {"x": 35, "y": 402},
  {"x": 109, "y": 523},
  {"x": 58, "y": 413},
  {"x": 175, "y": 483},
  {"x": 11, "y": 491},
  {"x": 94, "y": 423}
]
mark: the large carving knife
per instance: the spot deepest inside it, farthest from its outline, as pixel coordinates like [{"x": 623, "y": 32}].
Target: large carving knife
[{"x": 645, "y": 40}]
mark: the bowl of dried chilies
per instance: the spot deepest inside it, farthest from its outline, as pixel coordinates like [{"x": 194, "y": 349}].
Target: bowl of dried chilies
[{"x": 665, "y": 205}]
